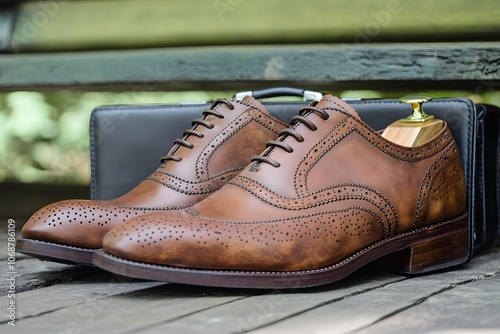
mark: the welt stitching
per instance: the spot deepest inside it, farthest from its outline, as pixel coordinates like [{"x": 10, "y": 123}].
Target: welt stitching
[
  {"x": 203, "y": 180},
  {"x": 194, "y": 184},
  {"x": 389, "y": 218},
  {"x": 271, "y": 221},
  {"x": 93, "y": 154},
  {"x": 201, "y": 160},
  {"x": 441, "y": 170},
  {"x": 299, "y": 166},
  {"x": 422, "y": 203}
]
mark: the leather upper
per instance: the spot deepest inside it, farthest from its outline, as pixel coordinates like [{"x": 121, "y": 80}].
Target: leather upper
[
  {"x": 339, "y": 190},
  {"x": 234, "y": 132}
]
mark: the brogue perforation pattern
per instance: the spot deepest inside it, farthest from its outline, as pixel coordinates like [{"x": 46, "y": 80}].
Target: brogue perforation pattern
[
  {"x": 267, "y": 222},
  {"x": 333, "y": 225},
  {"x": 100, "y": 213},
  {"x": 230, "y": 130},
  {"x": 435, "y": 185},
  {"x": 332, "y": 138},
  {"x": 324, "y": 196},
  {"x": 205, "y": 186},
  {"x": 347, "y": 126},
  {"x": 401, "y": 153},
  {"x": 201, "y": 166}
]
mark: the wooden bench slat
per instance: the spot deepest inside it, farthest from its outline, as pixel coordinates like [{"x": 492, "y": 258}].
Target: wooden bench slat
[
  {"x": 128, "y": 312},
  {"x": 88, "y": 290},
  {"x": 34, "y": 274},
  {"x": 469, "y": 308},
  {"x": 331, "y": 67},
  {"x": 84, "y": 25},
  {"x": 259, "y": 311},
  {"x": 362, "y": 311},
  {"x": 368, "y": 301}
]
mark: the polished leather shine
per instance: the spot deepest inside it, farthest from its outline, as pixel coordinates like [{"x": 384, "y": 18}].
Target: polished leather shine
[
  {"x": 216, "y": 149},
  {"x": 329, "y": 191}
]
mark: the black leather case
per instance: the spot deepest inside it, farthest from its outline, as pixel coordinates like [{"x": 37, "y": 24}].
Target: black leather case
[{"x": 127, "y": 142}]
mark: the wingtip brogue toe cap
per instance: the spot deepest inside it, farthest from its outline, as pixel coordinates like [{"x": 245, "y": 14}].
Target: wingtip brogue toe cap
[
  {"x": 144, "y": 239},
  {"x": 78, "y": 223}
]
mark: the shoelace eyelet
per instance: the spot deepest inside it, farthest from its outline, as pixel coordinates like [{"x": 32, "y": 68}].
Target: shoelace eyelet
[
  {"x": 290, "y": 132},
  {"x": 197, "y": 122}
]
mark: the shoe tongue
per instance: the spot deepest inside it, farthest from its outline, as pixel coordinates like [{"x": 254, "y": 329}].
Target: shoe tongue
[
  {"x": 256, "y": 104},
  {"x": 329, "y": 101}
]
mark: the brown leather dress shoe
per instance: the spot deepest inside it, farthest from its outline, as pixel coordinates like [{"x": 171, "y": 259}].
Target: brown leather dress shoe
[
  {"x": 213, "y": 151},
  {"x": 328, "y": 197}
]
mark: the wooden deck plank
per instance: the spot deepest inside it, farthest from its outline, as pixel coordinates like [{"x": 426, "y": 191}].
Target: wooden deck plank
[
  {"x": 373, "y": 66},
  {"x": 467, "y": 298},
  {"x": 126, "y": 313},
  {"x": 4, "y": 255},
  {"x": 474, "y": 306},
  {"x": 84, "y": 290},
  {"x": 34, "y": 274},
  {"x": 84, "y": 25},
  {"x": 361, "y": 311},
  {"x": 257, "y": 311}
]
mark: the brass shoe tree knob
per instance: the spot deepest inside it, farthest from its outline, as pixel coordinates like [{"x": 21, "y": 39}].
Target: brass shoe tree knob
[
  {"x": 417, "y": 128},
  {"x": 418, "y": 115}
]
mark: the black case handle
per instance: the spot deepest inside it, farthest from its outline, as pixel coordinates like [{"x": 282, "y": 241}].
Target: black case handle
[{"x": 308, "y": 95}]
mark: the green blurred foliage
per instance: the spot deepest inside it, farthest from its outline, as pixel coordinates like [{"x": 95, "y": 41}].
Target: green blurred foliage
[{"x": 44, "y": 137}]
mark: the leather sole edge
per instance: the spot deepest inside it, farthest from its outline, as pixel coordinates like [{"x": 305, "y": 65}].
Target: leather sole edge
[
  {"x": 47, "y": 251},
  {"x": 424, "y": 237}
]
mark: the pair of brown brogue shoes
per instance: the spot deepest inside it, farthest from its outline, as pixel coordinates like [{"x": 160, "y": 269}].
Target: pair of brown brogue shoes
[{"x": 327, "y": 196}]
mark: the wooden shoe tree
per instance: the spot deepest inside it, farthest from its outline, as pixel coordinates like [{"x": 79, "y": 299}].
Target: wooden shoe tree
[{"x": 415, "y": 129}]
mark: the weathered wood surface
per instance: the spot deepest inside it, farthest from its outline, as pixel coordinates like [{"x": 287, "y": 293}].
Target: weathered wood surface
[
  {"x": 84, "y": 25},
  {"x": 101, "y": 285},
  {"x": 6, "y": 25},
  {"x": 362, "y": 311},
  {"x": 34, "y": 274},
  {"x": 474, "y": 306},
  {"x": 272, "y": 307},
  {"x": 330, "y": 67},
  {"x": 81, "y": 300}
]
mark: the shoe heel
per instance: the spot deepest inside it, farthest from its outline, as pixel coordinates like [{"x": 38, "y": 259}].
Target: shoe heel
[{"x": 438, "y": 251}]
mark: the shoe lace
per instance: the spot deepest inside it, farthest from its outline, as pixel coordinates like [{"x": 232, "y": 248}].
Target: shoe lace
[
  {"x": 193, "y": 132},
  {"x": 283, "y": 134}
]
